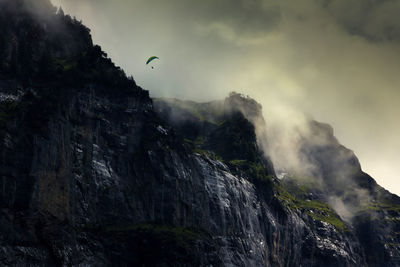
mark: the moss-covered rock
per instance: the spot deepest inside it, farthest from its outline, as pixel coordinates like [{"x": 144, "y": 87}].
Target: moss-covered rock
[{"x": 297, "y": 198}]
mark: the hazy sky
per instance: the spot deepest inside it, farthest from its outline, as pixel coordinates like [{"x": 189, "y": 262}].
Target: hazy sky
[{"x": 337, "y": 60}]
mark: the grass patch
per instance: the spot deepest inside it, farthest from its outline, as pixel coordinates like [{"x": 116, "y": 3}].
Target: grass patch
[
  {"x": 240, "y": 163},
  {"x": 316, "y": 209},
  {"x": 66, "y": 64},
  {"x": 332, "y": 219},
  {"x": 197, "y": 146},
  {"x": 208, "y": 154},
  {"x": 381, "y": 207},
  {"x": 254, "y": 171},
  {"x": 199, "y": 141},
  {"x": 301, "y": 187}
]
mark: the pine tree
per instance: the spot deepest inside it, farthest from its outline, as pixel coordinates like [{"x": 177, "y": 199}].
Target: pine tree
[{"x": 60, "y": 12}]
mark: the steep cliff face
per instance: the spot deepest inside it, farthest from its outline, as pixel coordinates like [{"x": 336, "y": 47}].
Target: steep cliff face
[
  {"x": 90, "y": 175},
  {"x": 108, "y": 166},
  {"x": 299, "y": 228},
  {"x": 372, "y": 211},
  {"x": 92, "y": 172},
  {"x": 336, "y": 214}
]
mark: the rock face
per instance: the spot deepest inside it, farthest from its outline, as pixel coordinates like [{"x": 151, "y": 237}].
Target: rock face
[
  {"x": 298, "y": 229},
  {"x": 92, "y": 172}
]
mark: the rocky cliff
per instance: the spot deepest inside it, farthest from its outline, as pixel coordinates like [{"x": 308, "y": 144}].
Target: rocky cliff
[{"x": 93, "y": 172}]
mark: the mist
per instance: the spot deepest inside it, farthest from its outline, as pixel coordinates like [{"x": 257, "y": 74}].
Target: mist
[{"x": 335, "y": 61}]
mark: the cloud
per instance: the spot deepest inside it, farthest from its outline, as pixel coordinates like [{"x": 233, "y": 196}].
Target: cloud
[
  {"x": 376, "y": 20},
  {"x": 240, "y": 18}
]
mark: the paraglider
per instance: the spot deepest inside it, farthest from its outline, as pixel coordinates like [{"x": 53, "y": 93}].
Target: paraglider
[{"x": 151, "y": 59}]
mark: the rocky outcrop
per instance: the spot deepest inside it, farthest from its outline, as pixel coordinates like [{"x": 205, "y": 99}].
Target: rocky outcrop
[
  {"x": 292, "y": 236},
  {"x": 104, "y": 168}
]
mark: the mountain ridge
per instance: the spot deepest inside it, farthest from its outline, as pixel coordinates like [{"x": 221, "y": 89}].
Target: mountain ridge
[{"x": 333, "y": 176}]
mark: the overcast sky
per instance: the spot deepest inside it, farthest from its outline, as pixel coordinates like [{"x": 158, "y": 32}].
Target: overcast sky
[{"x": 336, "y": 60}]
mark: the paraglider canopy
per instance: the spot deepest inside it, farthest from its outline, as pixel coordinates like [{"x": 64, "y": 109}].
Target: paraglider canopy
[{"x": 151, "y": 59}]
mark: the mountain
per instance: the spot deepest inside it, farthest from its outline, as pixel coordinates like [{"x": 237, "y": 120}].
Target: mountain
[
  {"x": 326, "y": 188},
  {"x": 96, "y": 173}
]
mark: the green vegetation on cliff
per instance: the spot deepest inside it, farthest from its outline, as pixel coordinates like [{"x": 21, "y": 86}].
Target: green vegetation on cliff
[{"x": 296, "y": 197}]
